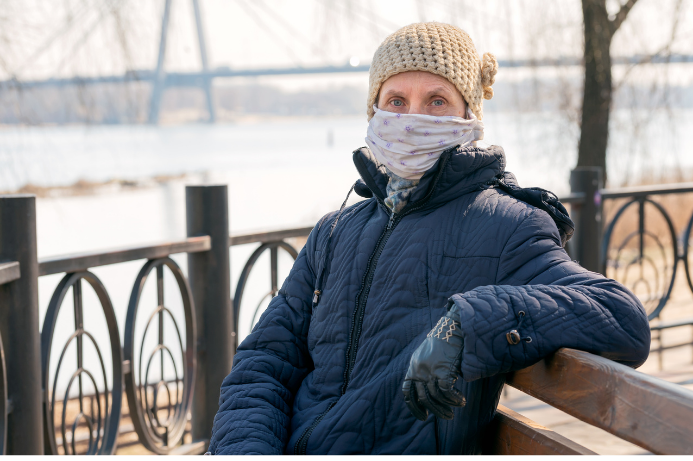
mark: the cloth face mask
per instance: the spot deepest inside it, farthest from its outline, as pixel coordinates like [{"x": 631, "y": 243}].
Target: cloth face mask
[{"x": 409, "y": 144}]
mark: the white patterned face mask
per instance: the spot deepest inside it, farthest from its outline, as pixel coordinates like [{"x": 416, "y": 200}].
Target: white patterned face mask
[{"x": 410, "y": 144}]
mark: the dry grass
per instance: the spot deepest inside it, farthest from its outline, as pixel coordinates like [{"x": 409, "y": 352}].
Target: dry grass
[{"x": 83, "y": 187}]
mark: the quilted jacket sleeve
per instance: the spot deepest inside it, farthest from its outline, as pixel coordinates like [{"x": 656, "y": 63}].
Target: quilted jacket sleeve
[
  {"x": 256, "y": 397},
  {"x": 564, "y": 305}
]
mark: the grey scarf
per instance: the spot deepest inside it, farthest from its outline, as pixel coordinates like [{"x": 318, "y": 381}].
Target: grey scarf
[{"x": 398, "y": 191}]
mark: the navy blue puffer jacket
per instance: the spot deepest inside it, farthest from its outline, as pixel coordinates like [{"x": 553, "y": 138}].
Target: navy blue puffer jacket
[{"x": 327, "y": 378}]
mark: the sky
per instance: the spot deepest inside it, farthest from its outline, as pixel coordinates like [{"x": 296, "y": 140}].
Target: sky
[{"x": 51, "y": 38}]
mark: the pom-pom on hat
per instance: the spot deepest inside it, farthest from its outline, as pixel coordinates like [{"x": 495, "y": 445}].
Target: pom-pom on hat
[{"x": 440, "y": 49}]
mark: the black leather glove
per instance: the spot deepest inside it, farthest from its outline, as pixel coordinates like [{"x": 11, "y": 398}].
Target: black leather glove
[{"x": 433, "y": 370}]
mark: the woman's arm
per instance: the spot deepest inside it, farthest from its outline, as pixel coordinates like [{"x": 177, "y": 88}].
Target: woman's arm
[
  {"x": 564, "y": 305},
  {"x": 542, "y": 301}
]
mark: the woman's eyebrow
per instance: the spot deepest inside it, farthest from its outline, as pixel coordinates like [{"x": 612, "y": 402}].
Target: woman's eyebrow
[
  {"x": 393, "y": 92},
  {"x": 437, "y": 90}
]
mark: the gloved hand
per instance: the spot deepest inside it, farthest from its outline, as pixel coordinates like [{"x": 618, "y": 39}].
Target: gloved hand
[{"x": 433, "y": 370}]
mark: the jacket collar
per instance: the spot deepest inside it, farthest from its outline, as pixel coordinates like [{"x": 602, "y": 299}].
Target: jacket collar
[{"x": 458, "y": 171}]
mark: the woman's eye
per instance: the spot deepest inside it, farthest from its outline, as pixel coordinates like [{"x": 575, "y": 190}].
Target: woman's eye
[
  {"x": 438, "y": 102},
  {"x": 397, "y": 103}
]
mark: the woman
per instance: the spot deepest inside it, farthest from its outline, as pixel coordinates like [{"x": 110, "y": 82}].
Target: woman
[{"x": 447, "y": 270}]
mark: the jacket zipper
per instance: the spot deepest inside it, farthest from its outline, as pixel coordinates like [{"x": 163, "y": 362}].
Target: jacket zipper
[
  {"x": 302, "y": 443},
  {"x": 357, "y": 321},
  {"x": 359, "y": 313}
]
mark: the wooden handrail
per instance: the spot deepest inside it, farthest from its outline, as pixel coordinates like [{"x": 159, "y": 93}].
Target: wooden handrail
[
  {"x": 511, "y": 433},
  {"x": 649, "y": 412}
]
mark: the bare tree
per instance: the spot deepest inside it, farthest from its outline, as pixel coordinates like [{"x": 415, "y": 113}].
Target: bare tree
[{"x": 599, "y": 31}]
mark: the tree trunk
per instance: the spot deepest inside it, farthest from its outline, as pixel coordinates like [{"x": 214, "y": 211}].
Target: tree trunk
[{"x": 596, "y": 102}]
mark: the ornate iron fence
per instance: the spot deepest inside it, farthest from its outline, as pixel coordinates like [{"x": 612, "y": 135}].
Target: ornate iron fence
[
  {"x": 103, "y": 413},
  {"x": 158, "y": 435},
  {"x": 646, "y": 253},
  {"x": 270, "y": 242},
  {"x": 85, "y": 416},
  {"x": 646, "y": 257}
]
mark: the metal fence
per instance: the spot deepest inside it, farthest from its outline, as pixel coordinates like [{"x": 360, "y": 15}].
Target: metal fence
[
  {"x": 630, "y": 236},
  {"x": 175, "y": 415},
  {"x": 125, "y": 381},
  {"x": 646, "y": 259}
]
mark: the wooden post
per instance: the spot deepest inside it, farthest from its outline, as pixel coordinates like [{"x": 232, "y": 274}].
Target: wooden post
[
  {"x": 19, "y": 326},
  {"x": 588, "y": 216},
  {"x": 209, "y": 274}
]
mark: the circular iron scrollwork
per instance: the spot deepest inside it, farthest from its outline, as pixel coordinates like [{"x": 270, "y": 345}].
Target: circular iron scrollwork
[
  {"x": 687, "y": 253},
  {"x": 273, "y": 248},
  {"x": 100, "y": 418},
  {"x": 159, "y": 432},
  {"x": 640, "y": 261},
  {"x": 3, "y": 401}
]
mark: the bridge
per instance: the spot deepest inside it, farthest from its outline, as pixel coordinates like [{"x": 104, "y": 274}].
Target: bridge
[{"x": 160, "y": 79}]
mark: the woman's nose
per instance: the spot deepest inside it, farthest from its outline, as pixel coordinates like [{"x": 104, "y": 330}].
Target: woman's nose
[{"x": 416, "y": 107}]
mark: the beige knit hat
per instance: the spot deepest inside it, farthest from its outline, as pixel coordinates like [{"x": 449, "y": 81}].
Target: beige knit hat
[{"x": 440, "y": 49}]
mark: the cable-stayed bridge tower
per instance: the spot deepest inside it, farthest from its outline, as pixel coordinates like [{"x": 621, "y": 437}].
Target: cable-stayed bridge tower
[{"x": 160, "y": 82}]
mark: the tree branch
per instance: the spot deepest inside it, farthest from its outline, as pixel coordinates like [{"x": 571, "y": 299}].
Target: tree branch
[{"x": 621, "y": 15}]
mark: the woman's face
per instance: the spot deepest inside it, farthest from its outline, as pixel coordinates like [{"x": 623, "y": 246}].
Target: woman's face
[{"x": 418, "y": 92}]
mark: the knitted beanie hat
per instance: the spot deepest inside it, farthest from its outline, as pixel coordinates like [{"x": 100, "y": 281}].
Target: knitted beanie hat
[{"x": 440, "y": 49}]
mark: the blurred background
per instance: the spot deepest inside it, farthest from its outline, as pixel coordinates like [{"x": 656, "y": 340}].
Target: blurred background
[
  {"x": 108, "y": 108},
  {"x": 127, "y": 100}
]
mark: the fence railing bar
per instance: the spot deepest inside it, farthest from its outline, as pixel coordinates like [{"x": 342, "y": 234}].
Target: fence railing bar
[
  {"x": 575, "y": 197},
  {"x": 673, "y": 324},
  {"x": 197, "y": 447},
  {"x": 632, "y": 192},
  {"x": 633, "y": 406},
  {"x": 82, "y": 261},
  {"x": 9, "y": 272},
  {"x": 270, "y": 236}
]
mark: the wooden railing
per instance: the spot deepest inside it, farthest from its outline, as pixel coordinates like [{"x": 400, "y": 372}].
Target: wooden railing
[{"x": 646, "y": 411}]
